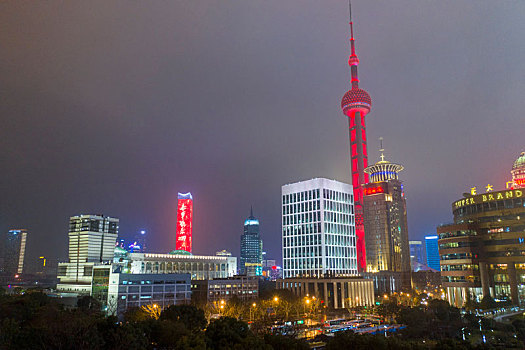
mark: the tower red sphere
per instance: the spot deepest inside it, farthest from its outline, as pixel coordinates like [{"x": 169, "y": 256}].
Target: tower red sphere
[{"x": 356, "y": 99}]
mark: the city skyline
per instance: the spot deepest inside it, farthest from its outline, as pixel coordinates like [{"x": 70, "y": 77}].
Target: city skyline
[{"x": 140, "y": 130}]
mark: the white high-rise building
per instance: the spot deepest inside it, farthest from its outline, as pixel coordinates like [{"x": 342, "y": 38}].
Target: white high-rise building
[
  {"x": 91, "y": 240},
  {"x": 318, "y": 229}
]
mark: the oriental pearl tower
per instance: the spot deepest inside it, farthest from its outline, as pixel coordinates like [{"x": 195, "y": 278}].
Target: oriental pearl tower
[{"x": 356, "y": 104}]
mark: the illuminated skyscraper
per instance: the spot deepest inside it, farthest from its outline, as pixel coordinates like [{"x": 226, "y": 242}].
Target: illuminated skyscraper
[
  {"x": 356, "y": 104},
  {"x": 184, "y": 222},
  {"x": 416, "y": 253},
  {"x": 385, "y": 221},
  {"x": 92, "y": 240},
  {"x": 431, "y": 245},
  {"x": 13, "y": 252},
  {"x": 139, "y": 243},
  {"x": 483, "y": 252},
  {"x": 318, "y": 229},
  {"x": 251, "y": 248}
]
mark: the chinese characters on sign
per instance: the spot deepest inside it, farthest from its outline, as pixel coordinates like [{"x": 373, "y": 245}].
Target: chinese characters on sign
[
  {"x": 373, "y": 190},
  {"x": 184, "y": 222}
]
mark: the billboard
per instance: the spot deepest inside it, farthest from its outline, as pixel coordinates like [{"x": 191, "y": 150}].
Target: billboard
[{"x": 184, "y": 222}]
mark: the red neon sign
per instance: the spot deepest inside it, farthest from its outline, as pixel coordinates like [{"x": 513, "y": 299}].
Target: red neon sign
[
  {"x": 184, "y": 222},
  {"x": 373, "y": 190}
]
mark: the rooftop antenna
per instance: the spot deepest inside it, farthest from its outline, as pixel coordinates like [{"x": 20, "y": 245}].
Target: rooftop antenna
[
  {"x": 381, "y": 149},
  {"x": 350, "y": 11},
  {"x": 353, "y": 61}
]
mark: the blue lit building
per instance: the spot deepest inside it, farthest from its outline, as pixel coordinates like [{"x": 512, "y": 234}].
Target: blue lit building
[
  {"x": 251, "y": 248},
  {"x": 431, "y": 244}
]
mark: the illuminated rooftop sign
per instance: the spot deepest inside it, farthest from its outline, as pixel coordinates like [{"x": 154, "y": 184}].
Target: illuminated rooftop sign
[
  {"x": 373, "y": 190},
  {"x": 488, "y": 197}
]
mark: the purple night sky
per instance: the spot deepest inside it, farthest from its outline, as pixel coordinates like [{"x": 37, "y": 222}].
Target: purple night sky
[{"x": 114, "y": 106}]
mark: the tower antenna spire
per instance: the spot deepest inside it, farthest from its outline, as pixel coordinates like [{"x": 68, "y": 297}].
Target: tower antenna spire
[
  {"x": 381, "y": 149},
  {"x": 353, "y": 61},
  {"x": 350, "y": 10}
]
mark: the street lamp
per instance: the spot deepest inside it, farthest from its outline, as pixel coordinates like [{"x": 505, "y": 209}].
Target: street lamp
[
  {"x": 253, "y": 305},
  {"x": 306, "y": 302},
  {"x": 276, "y": 299},
  {"x": 221, "y": 306}
]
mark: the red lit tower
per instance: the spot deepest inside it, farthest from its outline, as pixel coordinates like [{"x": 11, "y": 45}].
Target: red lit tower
[
  {"x": 184, "y": 222},
  {"x": 356, "y": 104}
]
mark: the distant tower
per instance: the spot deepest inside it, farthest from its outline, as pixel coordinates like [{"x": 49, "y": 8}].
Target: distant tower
[
  {"x": 416, "y": 254},
  {"x": 385, "y": 220},
  {"x": 251, "y": 248},
  {"x": 518, "y": 171},
  {"x": 184, "y": 222},
  {"x": 356, "y": 104},
  {"x": 13, "y": 252},
  {"x": 139, "y": 244},
  {"x": 431, "y": 245},
  {"x": 92, "y": 239}
]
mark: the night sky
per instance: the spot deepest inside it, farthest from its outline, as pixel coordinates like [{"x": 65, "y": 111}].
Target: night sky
[{"x": 115, "y": 106}]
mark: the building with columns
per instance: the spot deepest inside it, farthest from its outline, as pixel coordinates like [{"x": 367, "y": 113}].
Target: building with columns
[
  {"x": 483, "y": 252},
  {"x": 336, "y": 292}
]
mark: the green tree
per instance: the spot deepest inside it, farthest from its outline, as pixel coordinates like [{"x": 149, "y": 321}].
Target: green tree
[
  {"x": 230, "y": 333},
  {"x": 190, "y": 316},
  {"x": 416, "y": 320},
  {"x": 168, "y": 334},
  {"x": 281, "y": 342},
  {"x": 135, "y": 314}
]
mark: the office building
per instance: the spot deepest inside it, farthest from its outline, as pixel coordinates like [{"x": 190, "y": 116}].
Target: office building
[
  {"x": 241, "y": 287},
  {"x": 385, "y": 220},
  {"x": 318, "y": 229},
  {"x": 121, "y": 242},
  {"x": 13, "y": 249},
  {"x": 416, "y": 254},
  {"x": 271, "y": 270},
  {"x": 431, "y": 246},
  {"x": 92, "y": 240},
  {"x": 251, "y": 248},
  {"x": 483, "y": 251},
  {"x": 118, "y": 291},
  {"x": 138, "y": 244},
  {"x": 198, "y": 266},
  {"x": 184, "y": 222},
  {"x": 356, "y": 104},
  {"x": 335, "y": 292}
]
